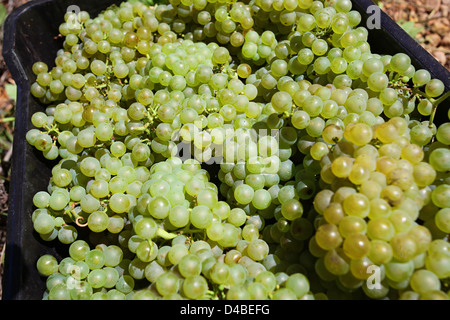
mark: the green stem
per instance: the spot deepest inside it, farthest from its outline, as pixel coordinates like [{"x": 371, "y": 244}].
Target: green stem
[
  {"x": 435, "y": 106},
  {"x": 164, "y": 234},
  {"x": 101, "y": 86},
  {"x": 151, "y": 247},
  {"x": 8, "y": 119},
  {"x": 51, "y": 129},
  {"x": 74, "y": 216},
  {"x": 441, "y": 98},
  {"x": 417, "y": 91},
  {"x": 142, "y": 128}
]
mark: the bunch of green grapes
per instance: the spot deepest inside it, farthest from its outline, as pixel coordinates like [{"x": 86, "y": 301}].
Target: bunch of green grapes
[{"x": 239, "y": 150}]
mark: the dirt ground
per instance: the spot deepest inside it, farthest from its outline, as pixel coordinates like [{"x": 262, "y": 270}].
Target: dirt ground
[{"x": 426, "y": 20}]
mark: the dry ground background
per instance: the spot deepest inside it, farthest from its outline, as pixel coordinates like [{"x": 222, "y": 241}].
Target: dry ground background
[{"x": 428, "y": 21}]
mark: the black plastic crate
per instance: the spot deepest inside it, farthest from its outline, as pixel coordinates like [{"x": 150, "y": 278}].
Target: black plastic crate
[{"x": 30, "y": 35}]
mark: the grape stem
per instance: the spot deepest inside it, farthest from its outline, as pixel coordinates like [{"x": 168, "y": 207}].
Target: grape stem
[
  {"x": 436, "y": 103},
  {"x": 78, "y": 223},
  {"x": 8, "y": 119},
  {"x": 420, "y": 92},
  {"x": 53, "y": 128},
  {"x": 75, "y": 216},
  {"x": 217, "y": 293},
  {"x": 164, "y": 234}
]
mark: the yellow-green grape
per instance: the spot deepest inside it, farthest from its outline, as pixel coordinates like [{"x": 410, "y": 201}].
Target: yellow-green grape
[
  {"x": 356, "y": 246},
  {"x": 342, "y": 166},
  {"x": 380, "y": 252},
  {"x": 356, "y": 204},
  {"x": 328, "y": 237}
]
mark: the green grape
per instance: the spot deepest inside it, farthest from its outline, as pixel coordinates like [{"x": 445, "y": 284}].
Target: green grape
[
  {"x": 404, "y": 247},
  {"x": 322, "y": 65},
  {"x": 380, "y": 252},
  {"x": 78, "y": 250},
  {"x": 434, "y": 88},
  {"x": 189, "y": 265},
  {"x": 281, "y": 101},
  {"x": 39, "y": 119},
  {"x": 238, "y": 292},
  {"x": 119, "y": 203},
  {"x": 323, "y": 18},
  {"x": 315, "y": 127},
  {"x": 98, "y": 221},
  {"x": 442, "y": 219},
  {"x": 195, "y": 287},
  {"x": 219, "y": 273},
  {"x": 421, "y": 77},
  {"x": 145, "y": 228},
  {"x": 179, "y": 216},
  {"x": 215, "y": 231},
  {"x": 97, "y": 278},
  {"x": 95, "y": 259},
  {"x": 39, "y": 67},
  {"x": 341, "y": 166},
  {"x": 201, "y": 217},
  {"x": 400, "y": 62},
  {"x": 159, "y": 207},
  {"x": 146, "y": 251},
  {"x": 230, "y": 235},
  {"x": 261, "y": 199},
  {"x": 338, "y": 65},
  {"x": 306, "y": 23},
  {"x": 67, "y": 234},
  {"x": 47, "y": 265},
  {"x": 377, "y": 81},
  {"x": 442, "y": 133},
  {"x": 439, "y": 159},
  {"x": 356, "y": 204},
  {"x": 356, "y": 246},
  {"x": 292, "y": 209},
  {"x": 237, "y": 217},
  {"x": 381, "y": 229},
  {"x": 257, "y": 249},
  {"x": 313, "y": 105},
  {"x": 354, "y": 68},
  {"x": 439, "y": 196},
  {"x": 59, "y": 292},
  {"x": 399, "y": 271},
  {"x": 43, "y": 142},
  {"x": 125, "y": 284},
  {"x": 244, "y": 70},
  {"x": 300, "y": 119},
  {"x": 328, "y": 237},
  {"x": 113, "y": 256},
  {"x": 167, "y": 283},
  {"x": 41, "y": 199},
  {"x": 319, "y": 47},
  {"x": 284, "y": 294},
  {"x": 298, "y": 283},
  {"x": 244, "y": 194},
  {"x": 177, "y": 252},
  {"x": 53, "y": 280},
  {"x": 249, "y": 49},
  {"x": 58, "y": 200},
  {"x": 279, "y": 68}
]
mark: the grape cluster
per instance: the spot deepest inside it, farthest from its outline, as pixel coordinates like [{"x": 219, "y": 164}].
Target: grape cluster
[{"x": 239, "y": 150}]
